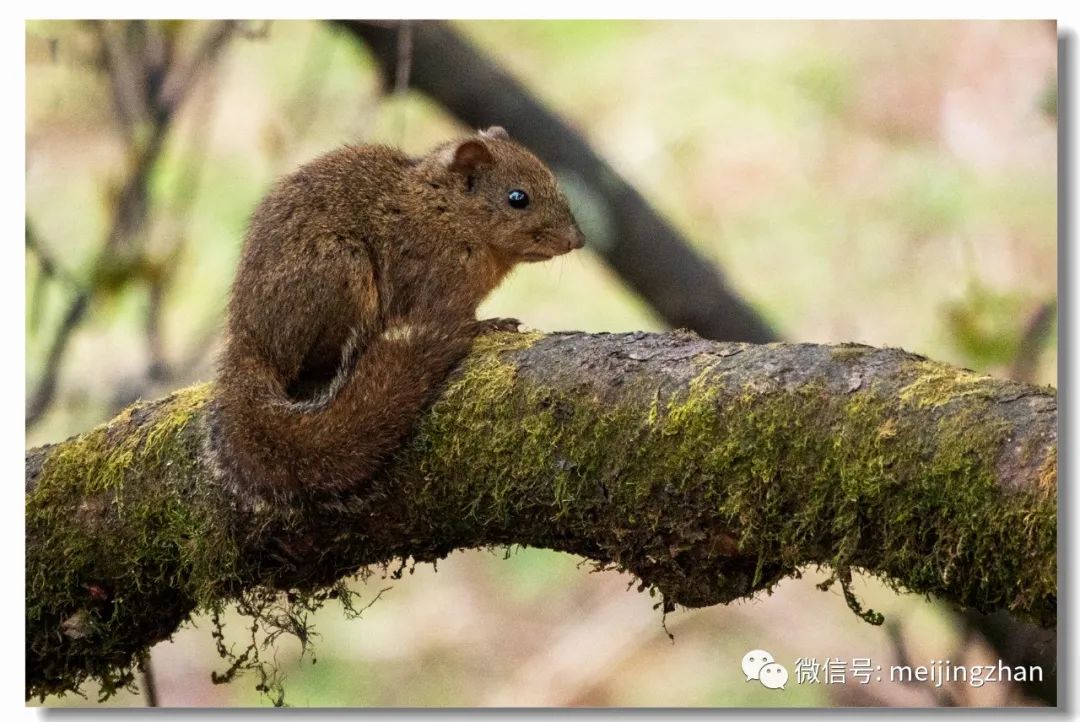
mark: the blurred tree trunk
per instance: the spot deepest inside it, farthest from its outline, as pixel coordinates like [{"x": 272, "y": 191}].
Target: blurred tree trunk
[{"x": 708, "y": 470}]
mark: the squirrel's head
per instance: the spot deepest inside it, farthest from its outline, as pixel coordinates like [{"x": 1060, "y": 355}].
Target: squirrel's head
[{"x": 511, "y": 197}]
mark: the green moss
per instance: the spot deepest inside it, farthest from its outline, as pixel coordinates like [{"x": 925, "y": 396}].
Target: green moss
[
  {"x": 901, "y": 486},
  {"x": 845, "y": 351},
  {"x": 708, "y": 494},
  {"x": 935, "y": 384},
  {"x": 120, "y": 520}
]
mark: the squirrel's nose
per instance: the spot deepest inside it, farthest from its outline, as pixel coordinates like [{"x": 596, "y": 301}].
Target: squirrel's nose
[{"x": 577, "y": 238}]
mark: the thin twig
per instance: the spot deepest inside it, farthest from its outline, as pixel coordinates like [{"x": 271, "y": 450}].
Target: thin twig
[
  {"x": 49, "y": 266},
  {"x": 50, "y": 270},
  {"x": 127, "y": 82},
  {"x": 404, "y": 57},
  {"x": 149, "y": 685},
  {"x": 181, "y": 77},
  {"x": 131, "y": 66},
  {"x": 43, "y": 395}
]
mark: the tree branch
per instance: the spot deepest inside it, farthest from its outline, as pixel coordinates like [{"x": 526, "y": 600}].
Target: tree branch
[
  {"x": 709, "y": 470},
  {"x": 136, "y": 55}
]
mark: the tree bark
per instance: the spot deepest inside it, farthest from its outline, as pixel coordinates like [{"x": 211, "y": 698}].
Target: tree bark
[{"x": 709, "y": 470}]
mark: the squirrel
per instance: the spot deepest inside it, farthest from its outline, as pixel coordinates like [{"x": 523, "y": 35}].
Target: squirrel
[{"x": 356, "y": 295}]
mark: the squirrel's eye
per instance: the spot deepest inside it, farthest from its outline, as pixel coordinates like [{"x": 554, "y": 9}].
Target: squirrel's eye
[{"x": 518, "y": 198}]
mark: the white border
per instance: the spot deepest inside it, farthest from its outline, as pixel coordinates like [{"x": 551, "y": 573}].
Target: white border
[{"x": 12, "y": 290}]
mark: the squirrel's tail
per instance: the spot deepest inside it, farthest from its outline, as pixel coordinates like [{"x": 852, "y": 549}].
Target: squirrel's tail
[{"x": 270, "y": 446}]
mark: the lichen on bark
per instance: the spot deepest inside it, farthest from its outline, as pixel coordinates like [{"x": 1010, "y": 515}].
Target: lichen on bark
[{"x": 708, "y": 470}]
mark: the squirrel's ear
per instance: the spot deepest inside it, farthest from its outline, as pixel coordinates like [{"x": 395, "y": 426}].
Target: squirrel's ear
[
  {"x": 470, "y": 156},
  {"x": 495, "y": 132}
]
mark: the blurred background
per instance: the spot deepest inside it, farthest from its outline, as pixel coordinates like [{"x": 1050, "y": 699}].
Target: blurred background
[{"x": 890, "y": 183}]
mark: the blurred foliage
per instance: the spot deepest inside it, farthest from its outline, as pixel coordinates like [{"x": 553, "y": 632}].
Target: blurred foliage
[
  {"x": 1049, "y": 102},
  {"x": 886, "y": 183},
  {"x": 987, "y": 327}
]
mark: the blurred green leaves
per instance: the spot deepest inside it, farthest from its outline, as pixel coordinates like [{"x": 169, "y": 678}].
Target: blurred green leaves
[{"x": 990, "y": 327}]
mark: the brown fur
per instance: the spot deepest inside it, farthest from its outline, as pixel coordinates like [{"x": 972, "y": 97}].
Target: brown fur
[{"x": 356, "y": 294}]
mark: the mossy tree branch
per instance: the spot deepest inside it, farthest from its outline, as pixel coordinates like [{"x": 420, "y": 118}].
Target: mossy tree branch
[{"x": 709, "y": 470}]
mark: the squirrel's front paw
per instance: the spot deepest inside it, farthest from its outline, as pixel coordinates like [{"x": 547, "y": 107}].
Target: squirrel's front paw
[{"x": 490, "y": 325}]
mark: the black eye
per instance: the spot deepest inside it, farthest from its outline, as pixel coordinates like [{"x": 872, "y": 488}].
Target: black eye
[{"x": 518, "y": 198}]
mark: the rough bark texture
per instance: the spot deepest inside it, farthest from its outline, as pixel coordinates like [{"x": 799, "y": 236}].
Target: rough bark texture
[{"x": 710, "y": 470}]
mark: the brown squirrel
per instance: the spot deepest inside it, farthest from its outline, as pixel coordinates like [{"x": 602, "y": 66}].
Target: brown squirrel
[{"x": 355, "y": 296}]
